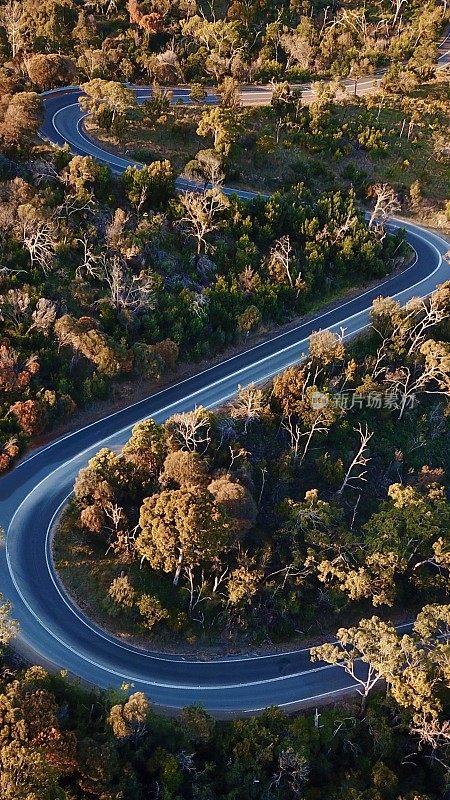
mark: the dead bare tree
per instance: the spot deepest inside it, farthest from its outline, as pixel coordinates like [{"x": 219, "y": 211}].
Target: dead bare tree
[
  {"x": 235, "y": 454},
  {"x": 89, "y": 262},
  {"x": 72, "y": 204},
  {"x": 11, "y": 17},
  {"x": 293, "y": 428},
  {"x": 226, "y": 429},
  {"x": 293, "y": 770},
  {"x": 397, "y": 7},
  {"x": 434, "y": 733},
  {"x": 191, "y": 429},
  {"x": 336, "y": 235},
  {"x": 386, "y": 204},
  {"x": 425, "y": 313},
  {"x": 405, "y": 383},
  {"x": 378, "y": 368},
  {"x": 115, "y": 514},
  {"x": 248, "y": 405},
  {"x": 199, "y": 592},
  {"x": 186, "y": 761},
  {"x": 356, "y": 470},
  {"x": 44, "y": 172},
  {"x": 202, "y": 214},
  {"x": 281, "y": 255},
  {"x": 124, "y": 545},
  {"x": 37, "y": 237},
  {"x": 126, "y": 291},
  {"x": 287, "y": 572}
]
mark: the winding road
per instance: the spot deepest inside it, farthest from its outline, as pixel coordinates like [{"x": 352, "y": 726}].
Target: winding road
[
  {"x": 53, "y": 631},
  {"x": 63, "y": 119}
]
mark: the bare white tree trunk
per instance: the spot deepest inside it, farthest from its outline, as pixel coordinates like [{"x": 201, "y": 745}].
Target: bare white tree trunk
[
  {"x": 176, "y": 577},
  {"x": 356, "y": 470}
]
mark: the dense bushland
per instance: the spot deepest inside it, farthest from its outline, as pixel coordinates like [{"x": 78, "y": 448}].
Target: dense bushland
[
  {"x": 97, "y": 283},
  {"x": 299, "y": 505}
]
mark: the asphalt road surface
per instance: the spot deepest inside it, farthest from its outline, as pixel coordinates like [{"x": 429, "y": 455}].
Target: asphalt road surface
[{"x": 54, "y": 632}]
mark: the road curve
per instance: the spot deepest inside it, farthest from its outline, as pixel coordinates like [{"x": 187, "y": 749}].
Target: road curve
[
  {"x": 63, "y": 119},
  {"x": 55, "y": 633}
]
